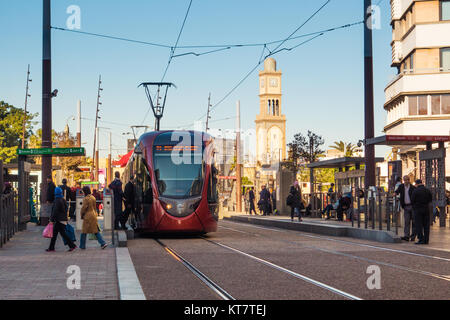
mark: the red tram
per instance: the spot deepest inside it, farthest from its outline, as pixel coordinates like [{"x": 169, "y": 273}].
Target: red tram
[{"x": 175, "y": 183}]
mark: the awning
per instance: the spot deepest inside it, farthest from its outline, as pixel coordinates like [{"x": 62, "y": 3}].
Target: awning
[{"x": 122, "y": 162}]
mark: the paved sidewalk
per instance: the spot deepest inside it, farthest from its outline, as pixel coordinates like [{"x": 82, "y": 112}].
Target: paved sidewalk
[{"x": 28, "y": 272}]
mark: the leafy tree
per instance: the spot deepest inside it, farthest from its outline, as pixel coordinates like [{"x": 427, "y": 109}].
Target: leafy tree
[
  {"x": 304, "y": 149},
  {"x": 11, "y": 124},
  {"x": 347, "y": 149}
]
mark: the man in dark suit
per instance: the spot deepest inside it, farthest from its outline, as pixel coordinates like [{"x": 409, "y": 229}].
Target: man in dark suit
[
  {"x": 421, "y": 199},
  {"x": 405, "y": 191},
  {"x": 251, "y": 198},
  {"x": 264, "y": 198}
]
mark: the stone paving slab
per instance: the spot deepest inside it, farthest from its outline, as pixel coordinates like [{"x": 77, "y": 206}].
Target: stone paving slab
[{"x": 28, "y": 272}]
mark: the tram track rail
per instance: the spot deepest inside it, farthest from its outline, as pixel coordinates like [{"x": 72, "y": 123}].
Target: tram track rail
[
  {"x": 341, "y": 241},
  {"x": 395, "y": 266},
  {"x": 224, "y": 295}
]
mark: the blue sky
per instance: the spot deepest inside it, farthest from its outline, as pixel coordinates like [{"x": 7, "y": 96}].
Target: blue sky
[{"x": 322, "y": 80}]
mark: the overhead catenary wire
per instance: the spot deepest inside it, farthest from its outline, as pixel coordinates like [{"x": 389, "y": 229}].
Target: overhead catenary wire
[
  {"x": 172, "y": 52},
  {"x": 273, "y": 52}
]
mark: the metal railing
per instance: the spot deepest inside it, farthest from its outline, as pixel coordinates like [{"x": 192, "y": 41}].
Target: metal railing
[
  {"x": 369, "y": 209},
  {"x": 9, "y": 220}
]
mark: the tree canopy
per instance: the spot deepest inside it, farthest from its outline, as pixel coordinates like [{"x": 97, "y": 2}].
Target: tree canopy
[
  {"x": 11, "y": 124},
  {"x": 347, "y": 149}
]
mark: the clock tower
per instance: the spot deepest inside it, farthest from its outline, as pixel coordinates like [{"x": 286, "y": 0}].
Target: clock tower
[{"x": 270, "y": 123}]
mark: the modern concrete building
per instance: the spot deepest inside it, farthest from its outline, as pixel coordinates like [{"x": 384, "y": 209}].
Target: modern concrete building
[{"x": 417, "y": 100}]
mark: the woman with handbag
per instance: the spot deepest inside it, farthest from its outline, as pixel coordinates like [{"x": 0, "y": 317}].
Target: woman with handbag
[
  {"x": 59, "y": 219},
  {"x": 89, "y": 217}
]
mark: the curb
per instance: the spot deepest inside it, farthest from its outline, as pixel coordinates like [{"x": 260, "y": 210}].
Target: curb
[
  {"x": 329, "y": 230},
  {"x": 127, "y": 279}
]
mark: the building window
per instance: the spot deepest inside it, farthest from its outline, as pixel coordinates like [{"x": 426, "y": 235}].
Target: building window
[
  {"x": 445, "y": 10},
  {"x": 418, "y": 105},
  {"x": 435, "y": 104},
  {"x": 445, "y": 59},
  {"x": 440, "y": 104}
]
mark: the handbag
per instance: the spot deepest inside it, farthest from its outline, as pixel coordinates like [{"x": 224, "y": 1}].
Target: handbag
[
  {"x": 48, "y": 231},
  {"x": 70, "y": 233}
]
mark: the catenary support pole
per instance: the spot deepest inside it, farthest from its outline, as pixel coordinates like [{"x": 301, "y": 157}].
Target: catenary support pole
[
  {"x": 238, "y": 158},
  {"x": 46, "y": 101},
  {"x": 368, "y": 96}
]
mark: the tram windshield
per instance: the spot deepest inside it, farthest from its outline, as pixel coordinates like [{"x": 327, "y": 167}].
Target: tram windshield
[{"x": 178, "y": 170}]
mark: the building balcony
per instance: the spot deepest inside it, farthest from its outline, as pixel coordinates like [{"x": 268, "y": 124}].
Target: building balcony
[
  {"x": 418, "y": 81},
  {"x": 427, "y": 35},
  {"x": 399, "y": 7}
]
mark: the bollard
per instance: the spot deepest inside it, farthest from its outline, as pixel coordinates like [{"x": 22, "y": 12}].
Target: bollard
[
  {"x": 107, "y": 209},
  {"x": 79, "y": 204}
]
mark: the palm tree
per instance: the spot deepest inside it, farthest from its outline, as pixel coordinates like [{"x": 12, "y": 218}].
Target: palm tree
[{"x": 347, "y": 149}]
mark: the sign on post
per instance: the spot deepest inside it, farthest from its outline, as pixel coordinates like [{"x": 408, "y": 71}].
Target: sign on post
[{"x": 78, "y": 151}]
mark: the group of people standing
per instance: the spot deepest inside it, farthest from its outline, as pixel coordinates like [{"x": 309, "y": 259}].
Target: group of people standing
[
  {"x": 267, "y": 203},
  {"x": 415, "y": 202},
  {"x": 120, "y": 196}
]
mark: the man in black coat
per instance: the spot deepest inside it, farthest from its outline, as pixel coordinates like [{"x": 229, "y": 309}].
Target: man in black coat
[
  {"x": 251, "y": 198},
  {"x": 421, "y": 199},
  {"x": 405, "y": 191},
  {"x": 116, "y": 187},
  {"x": 50, "y": 190},
  {"x": 129, "y": 195},
  {"x": 264, "y": 199}
]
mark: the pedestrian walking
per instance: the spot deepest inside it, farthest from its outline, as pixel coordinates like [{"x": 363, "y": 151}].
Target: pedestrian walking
[
  {"x": 116, "y": 187},
  {"x": 129, "y": 196},
  {"x": 89, "y": 217},
  {"x": 295, "y": 202},
  {"x": 251, "y": 198},
  {"x": 59, "y": 219},
  {"x": 264, "y": 200},
  {"x": 67, "y": 193},
  {"x": 421, "y": 199},
  {"x": 273, "y": 198},
  {"x": 404, "y": 191}
]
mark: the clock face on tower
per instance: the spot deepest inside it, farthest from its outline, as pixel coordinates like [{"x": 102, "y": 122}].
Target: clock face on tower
[{"x": 273, "y": 82}]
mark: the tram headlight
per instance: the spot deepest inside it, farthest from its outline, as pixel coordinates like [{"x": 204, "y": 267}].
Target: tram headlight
[{"x": 180, "y": 207}]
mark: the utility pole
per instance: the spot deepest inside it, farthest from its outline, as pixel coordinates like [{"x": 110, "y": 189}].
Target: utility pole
[
  {"x": 207, "y": 114},
  {"x": 46, "y": 102},
  {"x": 25, "y": 108},
  {"x": 109, "y": 165},
  {"x": 96, "y": 153},
  {"x": 94, "y": 156},
  {"x": 238, "y": 158},
  {"x": 369, "y": 150},
  {"x": 79, "y": 123}
]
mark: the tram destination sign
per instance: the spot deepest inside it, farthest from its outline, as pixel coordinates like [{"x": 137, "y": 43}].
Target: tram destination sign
[{"x": 62, "y": 152}]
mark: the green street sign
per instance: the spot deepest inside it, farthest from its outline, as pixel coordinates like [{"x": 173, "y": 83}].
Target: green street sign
[
  {"x": 84, "y": 183},
  {"x": 62, "y": 152}
]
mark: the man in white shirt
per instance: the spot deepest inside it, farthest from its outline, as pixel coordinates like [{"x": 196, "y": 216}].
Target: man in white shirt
[{"x": 405, "y": 191}]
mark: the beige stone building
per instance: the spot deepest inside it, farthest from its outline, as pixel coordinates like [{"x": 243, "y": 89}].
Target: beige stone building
[
  {"x": 417, "y": 100},
  {"x": 270, "y": 122}
]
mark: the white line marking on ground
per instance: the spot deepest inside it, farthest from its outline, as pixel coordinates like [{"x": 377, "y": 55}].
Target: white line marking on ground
[{"x": 129, "y": 285}]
